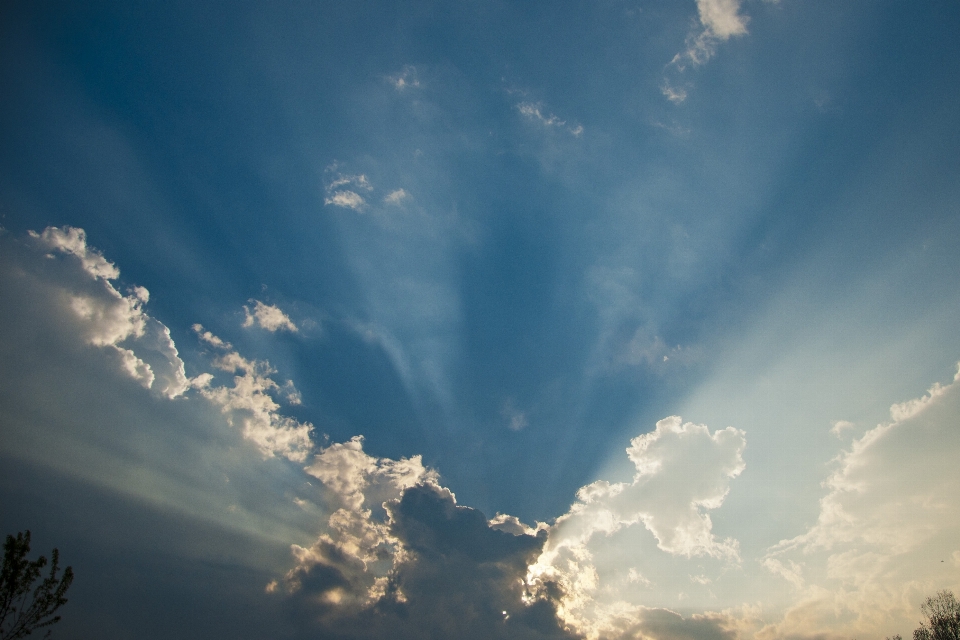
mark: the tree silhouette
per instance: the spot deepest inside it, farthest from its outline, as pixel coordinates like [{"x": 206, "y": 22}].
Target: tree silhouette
[
  {"x": 21, "y": 611},
  {"x": 943, "y": 618}
]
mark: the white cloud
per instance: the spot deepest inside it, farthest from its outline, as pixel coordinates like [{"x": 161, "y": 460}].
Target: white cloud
[
  {"x": 250, "y": 403},
  {"x": 675, "y": 95},
  {"x": 289, "y": 391},
  {"x": 722, "y": 18},
  {"x": 346, "y": 199},
  {"x": 636, "y": 577},
  {"x": 358, "y": 181},
  {"x": 516, "y": 418},
  {"x": 406, "y": 79},
  {"x": 840, "y": 426},
  {"x": 682, "y": 471},
  {"x": 512, "y": 524},
  {"x": 268, "y": 317},
  {"x": 209, "y": 338},
  {"x": 73, "y": 240},
  {"x": 396, "y": 197},
  {"x": 338, "y": 195},
  {"x": 535, "y": 111},
  {"x": 650, "y": 351},
  {"x": 890, "y": 519},
  {"x": 104, "y": 317}
]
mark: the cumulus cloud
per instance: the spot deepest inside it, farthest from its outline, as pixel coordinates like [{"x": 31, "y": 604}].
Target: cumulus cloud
[
  {"x": 268, "y": 317},
  {"x": 76, "y": 282},
  {"x": 401, "y": 559},
  {"x": 249, "y": 402},
  {"x": 889, "y": 520},
  {"x": 348, "y": 565},
  {"x": 722, "y": 18},
  {"x": 682, "y": 471},
  {"x": 73, "y": 241}
]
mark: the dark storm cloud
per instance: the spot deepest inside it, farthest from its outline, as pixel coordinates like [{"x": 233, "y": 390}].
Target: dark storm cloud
[{"x": 458, "y": 578}]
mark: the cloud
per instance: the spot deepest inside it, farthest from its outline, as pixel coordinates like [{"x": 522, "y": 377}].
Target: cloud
[
  {"x": 73, "y": 281},
  {"x": 648, "y": 350},
  {"x": 268, "y": 317},
  {"x": 405, "y": 79},
  {"x": 664, "y": 624},
  {"x": 890, "y": 516},
  {"x": 721, "y": 20},
  {"x": 401, "y": 559},
  {"x": 358, "y": 551},
  {"x": 124, "y": 477},
  {"x": 397, "y": 557},
  {"x": 535, "y": 112},
  {"x": 249, "y": 402},
  {"x": 840, "y": 426},
  {"x": 675, "y": 95},
  {"x": 682, "y": 471},
  {"x": 73, "y": 241},
  {"x": 339, "y": 196},
  {"x": 209, "y": 338},
  {"x": 396, "y": 197},
  {"x": 516, "y": 418},
  {"x": 346, "y": 199}
]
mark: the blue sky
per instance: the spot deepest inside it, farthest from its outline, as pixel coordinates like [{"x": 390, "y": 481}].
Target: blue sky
[{"x": 347, "y": 318}]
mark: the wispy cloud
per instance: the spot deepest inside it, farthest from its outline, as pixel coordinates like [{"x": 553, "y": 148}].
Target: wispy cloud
[
  {"x": 405, "y": 79},
  {"x": 516, "y": 419},
  {"x": 675, "y": 95},
  {"x": 396, "y": 197},
  {"x": 535, "y": 111},
  {"x": 719, "y": 21}
]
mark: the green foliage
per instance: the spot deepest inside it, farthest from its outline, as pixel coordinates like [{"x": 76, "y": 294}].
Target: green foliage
[
  {"x": 23, "y": 611},
  {"x": 943, "y": 618}
]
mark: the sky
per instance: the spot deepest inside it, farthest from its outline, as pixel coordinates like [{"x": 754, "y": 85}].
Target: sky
[{"x": 623, "y": 319}]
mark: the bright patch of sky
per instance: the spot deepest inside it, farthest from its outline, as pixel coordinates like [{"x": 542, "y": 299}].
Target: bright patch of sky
[{"x": 613, "y": 319}]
